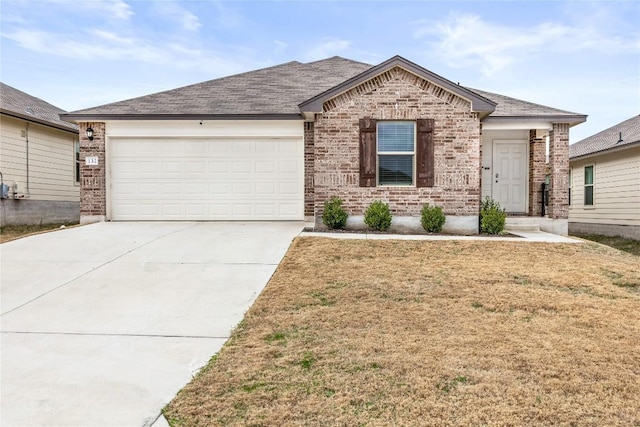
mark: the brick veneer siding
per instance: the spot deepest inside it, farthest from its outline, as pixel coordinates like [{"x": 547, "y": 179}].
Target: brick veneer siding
[
  {"x": 93, "y": 195},
  {"x": 308, "y": 169},
  {"x": 398, "y": 95},
  {"x": 537, "y": 163},
  {"x": 559, "y": 165}
]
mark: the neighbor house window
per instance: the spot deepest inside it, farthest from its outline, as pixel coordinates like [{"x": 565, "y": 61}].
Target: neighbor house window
[
  {"x": 570, "y": 180},
  {"x": 77, "y": 160},
  {"x": 588, "y": 185},
  {"x": 396, "y": 152}
]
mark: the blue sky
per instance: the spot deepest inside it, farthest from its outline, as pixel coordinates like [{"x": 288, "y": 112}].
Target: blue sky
[{"x": 573, "y": 55}]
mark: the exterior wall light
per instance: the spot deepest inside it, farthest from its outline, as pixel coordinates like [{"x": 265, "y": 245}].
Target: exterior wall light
[{"x": 90, "y": 133}]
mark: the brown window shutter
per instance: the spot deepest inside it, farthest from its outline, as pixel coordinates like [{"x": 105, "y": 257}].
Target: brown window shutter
[
  {"x": 368, "y": 154},
  {"x": 424, "y": 154}
]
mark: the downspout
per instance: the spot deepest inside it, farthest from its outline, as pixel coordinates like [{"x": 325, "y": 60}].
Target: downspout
[{"x": 27, "y": 135}]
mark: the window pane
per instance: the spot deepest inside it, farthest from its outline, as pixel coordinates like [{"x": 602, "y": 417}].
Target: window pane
[
  {"x": 588, "y": 195},
  {"x": 395, "y": 136},
  {"x": 588, "y": 175},
  {"x": 395, "y": 170}
]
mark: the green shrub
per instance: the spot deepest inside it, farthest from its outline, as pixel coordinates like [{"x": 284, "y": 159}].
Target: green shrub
[
  {"x": 378, "y": 216},
  {"x": 334, "y": 216},
  {"x": 433, "y": 218},
  {"x": 492, "y": 217}
]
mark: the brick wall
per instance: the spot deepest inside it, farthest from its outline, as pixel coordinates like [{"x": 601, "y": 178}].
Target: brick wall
[
  {"x": 93, "y": 196},
  {"x": 537, "y": 163},
  {"x": 398, "y": 95},
  {"x": 308, "y": 168},
  {"x": 559, "y": 165}
]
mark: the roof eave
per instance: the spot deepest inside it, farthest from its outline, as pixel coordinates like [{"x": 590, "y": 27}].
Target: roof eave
[
  {"x": 76, "y": 118},
  {"x": 571, "y": 119},
  {"x": 479, "y": 104},
  {"x": 44, "y": 122},
  {"x": 608, "y": 150}
]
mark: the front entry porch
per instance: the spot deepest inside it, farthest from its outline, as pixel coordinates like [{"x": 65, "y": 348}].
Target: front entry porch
[{"x": 514, "y": 165}]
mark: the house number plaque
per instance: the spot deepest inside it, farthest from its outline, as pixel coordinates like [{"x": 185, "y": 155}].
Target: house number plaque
[{"x": 91, "y": 161}]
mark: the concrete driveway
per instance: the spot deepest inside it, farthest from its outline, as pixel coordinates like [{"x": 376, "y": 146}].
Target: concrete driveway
[{"x": 104, "y": 324}]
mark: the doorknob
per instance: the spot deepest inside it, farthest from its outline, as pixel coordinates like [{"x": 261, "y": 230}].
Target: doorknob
[{"x": 497, "y": 177}]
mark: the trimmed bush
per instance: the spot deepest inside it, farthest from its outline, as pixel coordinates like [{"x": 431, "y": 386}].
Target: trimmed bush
[
  {"x": 378, "y": 216},
  {"x": 492, "y": 217},
  {"x": 334, "y": 216},
  {"x": 432, "y": 218}
]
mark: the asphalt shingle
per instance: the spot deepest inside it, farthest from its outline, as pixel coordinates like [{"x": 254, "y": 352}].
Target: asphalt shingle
[
  {"x": 608, "y": 139},
  {"x": 17, "y": 103},
  {"x": 277, "y": 90},
  {"x": 274, "y": 90}
]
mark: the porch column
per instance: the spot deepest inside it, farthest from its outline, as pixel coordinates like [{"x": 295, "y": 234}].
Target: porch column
[
  {"x": 537, "y": 160},
  {"x": 93, "y": 194},
  {"x": 559, "y": 165}
]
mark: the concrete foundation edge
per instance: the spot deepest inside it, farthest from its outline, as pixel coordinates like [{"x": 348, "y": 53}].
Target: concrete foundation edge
[
  {"x": 627, "y": 231},
  {"x": 34, "y": 212},
  {"x": 90, "y": 219}
]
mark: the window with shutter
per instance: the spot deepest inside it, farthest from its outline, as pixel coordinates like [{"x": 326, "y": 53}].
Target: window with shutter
[
  {"x": 396, "y": 153},
  {"x": 367, "y": 153},
  {"x": 425, "y": 166}
]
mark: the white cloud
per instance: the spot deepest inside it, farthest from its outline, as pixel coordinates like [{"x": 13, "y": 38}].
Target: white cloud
[
  {"x": 326, "y": 48},
  {"x": 280, "y": 46},
  {"x": 186, "y": 19},
  {"x": 469, "y": 41},
  {"x": 110, "y": 9}
]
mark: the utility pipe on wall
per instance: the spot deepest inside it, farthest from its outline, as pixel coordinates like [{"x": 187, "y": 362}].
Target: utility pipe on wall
[{"x": 27, "y": 135}]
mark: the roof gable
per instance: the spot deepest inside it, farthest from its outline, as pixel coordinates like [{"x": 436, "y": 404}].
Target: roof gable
[
  {"x": 16, "y": 103},
  {"x": 478, "y": 103},
  {"x": 622, "y": 135}
]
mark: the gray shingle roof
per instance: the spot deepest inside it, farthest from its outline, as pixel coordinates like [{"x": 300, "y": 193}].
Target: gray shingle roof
[
  {"x": 608, "y": 139},
  {"x": 270, "y": 91},
  {"x": 19, "y": 104},
  {"x": 512, "y": 107},
  {"x": 275, "y": 91}
]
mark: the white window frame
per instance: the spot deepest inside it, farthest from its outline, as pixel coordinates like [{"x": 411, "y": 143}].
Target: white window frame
[
  {"x": 380, "y": 153},
  {"x": 76, "y": 162},
  {"x": 592, "y": 185}
]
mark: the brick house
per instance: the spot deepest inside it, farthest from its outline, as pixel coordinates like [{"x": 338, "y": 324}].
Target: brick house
[{"x": 276, "y": 143}]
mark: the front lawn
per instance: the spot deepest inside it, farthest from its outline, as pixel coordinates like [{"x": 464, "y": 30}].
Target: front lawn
[
  {"x": 446, "y": 333},
  {"x": 13, "y": 232},
  {"x": 628, "y": 245}
]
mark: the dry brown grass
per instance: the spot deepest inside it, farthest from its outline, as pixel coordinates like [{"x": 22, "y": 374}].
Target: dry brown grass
[
  {"x": 13, "y": 232},
  {"x": 433, "y": 333}
]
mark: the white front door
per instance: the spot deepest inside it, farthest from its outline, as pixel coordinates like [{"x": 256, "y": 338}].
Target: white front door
[{"x": 509, "y": 186}]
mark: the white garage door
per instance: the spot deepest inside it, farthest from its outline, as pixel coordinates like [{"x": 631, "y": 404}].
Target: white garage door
[{"x": 233, "y": 179}]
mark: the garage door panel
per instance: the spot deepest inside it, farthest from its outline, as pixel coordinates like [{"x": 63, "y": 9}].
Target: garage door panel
[
  {"x": 242, "y": 167},
  {"x": 265, "y": 167},
  {"x": 265, "y": 188},
  {"x": 218, "y": 167},
  {"x": 242, "y": 209},
  {"x": 286, "y": 188},
  {"x": 172, "y": 179}
]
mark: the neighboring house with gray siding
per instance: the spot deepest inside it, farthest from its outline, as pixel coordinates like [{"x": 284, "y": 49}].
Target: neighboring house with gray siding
[
  {"x": 39, "y": 155},
  {"x": 276, "y": 143},
  {"x": 605, "y": 182}
]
